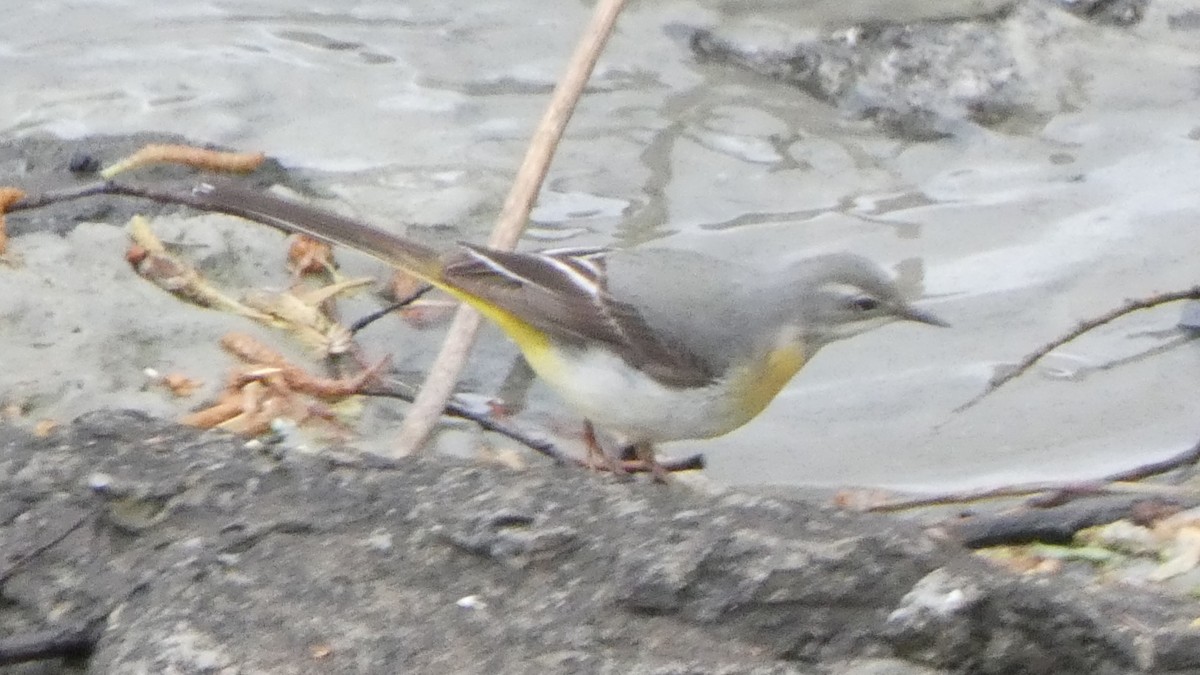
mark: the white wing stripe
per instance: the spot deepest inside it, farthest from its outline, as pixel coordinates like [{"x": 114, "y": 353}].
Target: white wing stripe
[
  {"x": 578, "y": 272},
  {"x": 496, "y": 267},
  {"x": 581, "y": 280}
]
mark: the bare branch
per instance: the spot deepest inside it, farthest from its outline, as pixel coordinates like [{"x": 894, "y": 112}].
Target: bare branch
[
  {"x": 1032, "y": 358},
  {"x": 1060, "y": 492}
]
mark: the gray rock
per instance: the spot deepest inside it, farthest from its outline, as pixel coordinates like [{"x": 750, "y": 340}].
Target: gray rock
[
  {"x": 918, "y": 81},
  {"x": 1113, "y": 12},
  {"x": 922, "y": 80},
  {"x": 202, "y": 554}
]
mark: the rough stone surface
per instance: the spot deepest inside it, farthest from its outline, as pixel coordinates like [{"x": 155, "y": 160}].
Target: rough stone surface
[
  {"x": 209, "y": 556},
  {"x": 1114, "y": 12},
  {"x": 933, "y": 79},
  {"x": 917, "y": 81}
]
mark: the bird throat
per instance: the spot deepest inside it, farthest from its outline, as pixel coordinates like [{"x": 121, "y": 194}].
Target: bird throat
[{"x": 761, "y": 382}]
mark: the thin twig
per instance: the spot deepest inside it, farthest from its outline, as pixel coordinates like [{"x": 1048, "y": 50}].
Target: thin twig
[
  {"x": 1128, "y": 308},
  {"x": 56, "y": 196},
  {"x": 443, "y": 375},
  {"x": 380, "y": 313},
  {"x": 456, "y": 410},
  {"x": 1115, "y": 482},
  {"x": 183, "y": 197},
  {"x": 688, "y": 463},
  {"x": 968, "y": 496},
  {"x": 1189, "y": 456}
]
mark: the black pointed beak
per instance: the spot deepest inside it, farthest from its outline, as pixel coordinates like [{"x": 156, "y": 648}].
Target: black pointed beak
[{"x": 910, "y": 313}]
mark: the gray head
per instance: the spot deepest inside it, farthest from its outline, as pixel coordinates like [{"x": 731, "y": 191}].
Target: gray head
[{"x": 842, "y": 295}]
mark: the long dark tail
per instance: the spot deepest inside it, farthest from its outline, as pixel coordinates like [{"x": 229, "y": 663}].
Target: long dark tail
[{"x": 291, "y": 216}]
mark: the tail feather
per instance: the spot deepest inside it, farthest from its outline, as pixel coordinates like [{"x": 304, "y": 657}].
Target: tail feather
[{"x": 290, "y": 216}]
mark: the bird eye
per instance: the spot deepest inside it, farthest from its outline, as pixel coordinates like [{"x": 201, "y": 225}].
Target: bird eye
[{"x": 864, "y": 303}]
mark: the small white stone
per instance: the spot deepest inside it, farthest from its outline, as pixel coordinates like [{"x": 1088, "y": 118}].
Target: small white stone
[
  {"x": 99, "y": 481},
  {"x": 380, "y": 541},
  {"x": 471, "y": 602}
]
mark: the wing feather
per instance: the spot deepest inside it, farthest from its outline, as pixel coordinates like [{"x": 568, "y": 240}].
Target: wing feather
[{"x": 565, "y": 293}]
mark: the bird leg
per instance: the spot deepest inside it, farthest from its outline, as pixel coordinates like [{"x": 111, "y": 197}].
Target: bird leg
[
  {"x": 645, "y": 452},
  {"x": 597, "y": 458}
]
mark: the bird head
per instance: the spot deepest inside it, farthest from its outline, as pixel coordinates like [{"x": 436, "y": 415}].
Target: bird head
[{"x": 842, "y": 295}]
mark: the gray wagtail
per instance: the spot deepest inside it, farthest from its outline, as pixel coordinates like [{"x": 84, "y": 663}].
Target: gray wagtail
[{"x": 651, "y": 344}]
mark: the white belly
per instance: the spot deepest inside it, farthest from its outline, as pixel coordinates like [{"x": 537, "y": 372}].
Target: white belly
[{"x": 617, "y": 398}]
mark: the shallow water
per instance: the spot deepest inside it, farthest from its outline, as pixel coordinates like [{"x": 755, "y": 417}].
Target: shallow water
[{"x": 420, "y": 112}]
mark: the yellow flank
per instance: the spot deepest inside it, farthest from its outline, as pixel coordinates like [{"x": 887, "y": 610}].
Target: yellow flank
[
  {"x": 758, "y": 383},
  {"x": 533, "y": 343}
]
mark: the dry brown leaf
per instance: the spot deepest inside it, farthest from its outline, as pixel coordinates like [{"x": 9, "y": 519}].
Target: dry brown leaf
[
  {"x": 309, "y": 256},
  {"x": 227, "y": 407},
  {"x": 8, "y": 197},
  {"x": 328, "y": 388},
  {"x": 249, "y": 349},
  {"x": 303, "y": 313},
  {"x": 151, "y": 260},
  {"x": 187, "y": 155},
  {"x": 270, "y": 388},
  {"x": 180, "y": 385}
]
